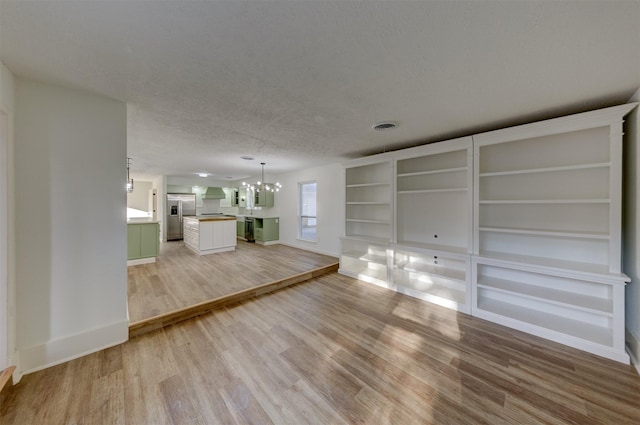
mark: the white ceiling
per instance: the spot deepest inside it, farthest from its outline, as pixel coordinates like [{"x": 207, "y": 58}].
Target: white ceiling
[{"x": 300, "y": 83}]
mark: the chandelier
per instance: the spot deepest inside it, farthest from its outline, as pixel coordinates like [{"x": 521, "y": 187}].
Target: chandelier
[
  {"x": 261, "y": 185},
  {"x": 129, "y": 184}
]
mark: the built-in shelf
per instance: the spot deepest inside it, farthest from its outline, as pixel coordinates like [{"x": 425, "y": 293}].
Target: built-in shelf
[
  {"x": 424, "y": 173},
  {"x": 520, "y": 226},
  {"x": 551, "y": 263},
  {"x": 543, "y": 201},
  {"x": 368, "y": 184},
  {"x": 362, "y": 220},
  {"x": 433, "y": 270},
  {"x": 545, "y": 321},
  {"x": 547, "y": 229},
  {"x": 427, "y": 247},
  {"x": 567, "y": 299},
  {"x": 453, "y": 189},
  {"x": 431, "y": 288},
  {"x": 545, "y": 170},
  {"x": 552, "y": 233},
  {"x": 367, "y": 203}
]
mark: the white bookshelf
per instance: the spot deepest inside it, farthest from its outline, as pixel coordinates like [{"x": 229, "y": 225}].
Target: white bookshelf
[
  {"x": 520, "y": 226},
  {"x": 547, "y": 230},
  {"x": 434, "y": 196},
  {"x": 439, "y": 277},
  {"x": 368, "y": 201}
]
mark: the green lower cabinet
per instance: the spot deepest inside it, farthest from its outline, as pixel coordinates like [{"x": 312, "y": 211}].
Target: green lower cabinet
[
  {"x": 267, "y": 229},
  {"x": 240, "y": 229},
  {"x": 142, "y": 240}
]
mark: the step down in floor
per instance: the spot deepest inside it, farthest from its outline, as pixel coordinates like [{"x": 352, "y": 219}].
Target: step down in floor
[{"x": 166, "y": 319}]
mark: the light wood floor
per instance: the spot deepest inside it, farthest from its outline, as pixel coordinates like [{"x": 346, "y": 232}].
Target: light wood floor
[
  {"x": 181, "y": 278},
  {"x": 330, "y": 351}
]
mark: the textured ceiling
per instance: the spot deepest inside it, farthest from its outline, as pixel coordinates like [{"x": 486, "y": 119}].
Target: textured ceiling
[{"x": 300, "y": 83}]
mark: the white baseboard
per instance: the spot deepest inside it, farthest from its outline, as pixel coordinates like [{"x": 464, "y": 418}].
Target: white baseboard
[
  {"x": 141, "y": 261},
  {"x": 72, "y": 347},
  {"x": 268, "y": 242},
  {"x": 633, "y": 348}
]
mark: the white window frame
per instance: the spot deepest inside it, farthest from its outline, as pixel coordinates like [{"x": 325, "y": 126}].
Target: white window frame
[
  {"x": 4, "y": 236},
  {"x": 301, "y": 218}
]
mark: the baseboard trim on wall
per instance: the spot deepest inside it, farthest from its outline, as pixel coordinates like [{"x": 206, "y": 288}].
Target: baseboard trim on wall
[
  {"x": 61, "y": 350},
  {"x": 633, "y": 348},
  {"x": 141, "y": 261}
]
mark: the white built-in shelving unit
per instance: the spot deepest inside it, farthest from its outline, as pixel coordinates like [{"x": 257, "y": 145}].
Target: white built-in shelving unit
[
  {"x": 547, "y": 222},
  {"x": 419, "y": 211},
  {"x": 368, "y": 201},
  {"x": 520, "y": 226}
]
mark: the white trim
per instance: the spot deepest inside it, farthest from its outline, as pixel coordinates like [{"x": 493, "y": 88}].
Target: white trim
[
  {"x": 299, "y": 215},
  {"x": 267, "y": 242},
  {"x": 61, "y": 350},
  {"x": 4, "y": 240},
  {"x": 141, "y": 261},
  {"x": 582, "y": 121},
  {"x": 633, "y": 348}
]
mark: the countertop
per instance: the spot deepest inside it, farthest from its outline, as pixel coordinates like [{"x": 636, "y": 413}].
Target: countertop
[
  {"x": 142, "y": 220},
  {"x": 202, "y": 218}
]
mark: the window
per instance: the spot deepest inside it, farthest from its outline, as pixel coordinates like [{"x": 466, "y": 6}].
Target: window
[{"x": 307, "y": 223}]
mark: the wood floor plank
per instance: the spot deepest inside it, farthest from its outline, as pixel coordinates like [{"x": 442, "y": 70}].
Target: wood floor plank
[{"x": 332, "y": 350}]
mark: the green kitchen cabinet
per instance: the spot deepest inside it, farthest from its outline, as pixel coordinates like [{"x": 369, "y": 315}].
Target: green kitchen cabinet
[
  {"x": 264, "y": 198},
  {"x": 267, "y": 229},
  {"x": 240, "y": 229},
  {"x": 143, "y": 240},
  {"x": 175, "y": 188}
]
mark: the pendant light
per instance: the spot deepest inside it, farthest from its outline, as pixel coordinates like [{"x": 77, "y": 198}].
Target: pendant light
[
  {"x": 261, "y": 185},
  {"x": 129, "y": 184}
]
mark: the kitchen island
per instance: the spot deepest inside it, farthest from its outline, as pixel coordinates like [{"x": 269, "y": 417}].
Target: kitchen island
[{"x": 210, "y": 234}]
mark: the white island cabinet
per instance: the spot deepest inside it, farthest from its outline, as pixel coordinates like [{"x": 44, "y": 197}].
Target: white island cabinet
[{"x": 210, "y": 235}]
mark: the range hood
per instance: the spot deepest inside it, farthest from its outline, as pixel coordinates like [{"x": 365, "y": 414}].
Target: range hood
[{"x": 214, "y": 193}]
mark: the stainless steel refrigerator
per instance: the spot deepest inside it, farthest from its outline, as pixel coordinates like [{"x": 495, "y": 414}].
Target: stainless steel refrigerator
[{"x": 178, "y": 206}]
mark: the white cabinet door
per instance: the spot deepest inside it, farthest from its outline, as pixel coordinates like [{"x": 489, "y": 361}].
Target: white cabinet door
[
  {"x": 218, "y": 234},
  {"x": 229, "y": 233},
  {"x": 207, "y": 231}
]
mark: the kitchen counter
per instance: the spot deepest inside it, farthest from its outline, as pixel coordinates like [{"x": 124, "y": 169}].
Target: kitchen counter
[
  {"x": 209, "y": 234},
  {"x": 142, "y": 220},
  {"x": 143, "y": 241},
  {"x": 202, "y": 218}
]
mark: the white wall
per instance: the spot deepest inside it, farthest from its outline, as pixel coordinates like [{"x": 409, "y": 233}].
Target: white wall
[
  {"x": 71, "y": 276},
  {"x": 330, "y": 210},
  {"x": 7, "y": 282},
  {"x": 631, "y": 229},
  {"x": 139, "y": 197}
]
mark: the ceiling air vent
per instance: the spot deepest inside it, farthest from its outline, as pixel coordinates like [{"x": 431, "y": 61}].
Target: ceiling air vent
[{"x": 387, "y": 125}]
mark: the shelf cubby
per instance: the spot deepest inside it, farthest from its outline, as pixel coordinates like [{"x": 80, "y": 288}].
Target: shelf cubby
[
  {"x": 436, "y": 276},
  {"x": 364, "y": 260},
  {"x": 368, "y": 201},
  {"x": 433, "y": 196},
  {"x": 577, "y": 309}
]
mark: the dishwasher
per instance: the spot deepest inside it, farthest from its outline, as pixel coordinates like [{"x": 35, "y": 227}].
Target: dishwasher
[{"x": 248, "y": 229}]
